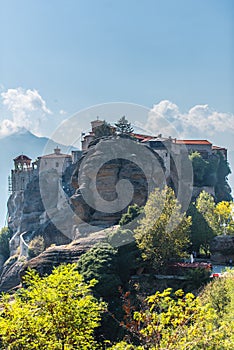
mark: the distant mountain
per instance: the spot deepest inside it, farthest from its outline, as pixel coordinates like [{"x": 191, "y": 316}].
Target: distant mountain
[{"x": 12, "y": 146}]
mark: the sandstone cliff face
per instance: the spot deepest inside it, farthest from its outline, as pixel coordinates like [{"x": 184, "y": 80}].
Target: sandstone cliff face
[
  {"x": 10, "y": 276},
  {"x": 44, "y": 263},
  {"x": 113, "y": 174}
]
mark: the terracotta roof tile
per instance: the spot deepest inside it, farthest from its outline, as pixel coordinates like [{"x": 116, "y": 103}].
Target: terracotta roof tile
[{"x": 193, "y": 142}]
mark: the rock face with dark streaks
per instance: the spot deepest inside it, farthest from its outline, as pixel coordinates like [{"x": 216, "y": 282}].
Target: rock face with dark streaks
[
  {"x": 10, "y": 277},
  {"x": 113, "y": 174}
]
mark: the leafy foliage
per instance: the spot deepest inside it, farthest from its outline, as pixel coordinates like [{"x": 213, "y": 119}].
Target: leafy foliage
[
  {"x": 54, "y": 312},
  {"x": 128, "y": 254},
  {"x": 175, "y": 321},
  {"x": 163, "y": 233},
  {"x": 217, "y": 294},
  {"x": 123, "y": 126},
  {"x": 5, "y": 236},
  {"x": 36, "y": 246},
  {"x": 100, "y": 262},
  {"x": 224, "y": 211},
  {"x": 205, "y": 204},
  {"x": 132, "y": 213},
  {"x": 208, "y": 220},
  {"x": 220, "y": 295},
  {"x": 201, "y": 233}
]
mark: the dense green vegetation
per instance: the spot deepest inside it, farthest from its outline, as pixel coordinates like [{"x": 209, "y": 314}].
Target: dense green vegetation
[
  {"x": 123, "y": 126},
  {"x": 174, "y": 320},
  {"x": 5, "y": 236},
  {"x": 209, "y": 220},
  {"x": 103, "y": 130},
  {"x": 100, "y": 263},
  {"x": 60, "y": 312},
  {"x": 111, "y": 299},
  {"x": 54, "y": 312},
  {"x": 212, "y": 172},
  {"x": 36, "y": 246},
  {"x": 132, "y": 213},
  {"x": 163, "y": 232}
]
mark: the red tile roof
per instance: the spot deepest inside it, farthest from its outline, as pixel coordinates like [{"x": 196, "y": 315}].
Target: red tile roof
[
  {"x": 193, "y": 142},
  {"x": 219, "y": 148},
  {"x": 141, "y": 136}
]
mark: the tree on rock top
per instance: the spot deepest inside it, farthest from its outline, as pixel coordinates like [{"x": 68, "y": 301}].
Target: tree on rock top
[
  {"x": 103, "y": 130},
  {"x": 123, "y": 126}
]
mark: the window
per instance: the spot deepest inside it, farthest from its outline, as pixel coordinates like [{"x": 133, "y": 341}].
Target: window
[{"x": 57, "y": 164}]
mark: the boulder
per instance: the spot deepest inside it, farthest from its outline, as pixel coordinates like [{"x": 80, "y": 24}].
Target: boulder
[
  {"x": 10, "y": 276},
  {"x": 222, "y": 249},
  {"x": 15, "y": 267}
]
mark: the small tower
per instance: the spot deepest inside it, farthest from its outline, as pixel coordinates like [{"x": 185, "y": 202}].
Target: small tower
[
  {"x": 22, "y": 163},
  {"x": 57, "y": 151},
  {"x": 96, "y": 123},
  {"x": 22, "y": 173}
]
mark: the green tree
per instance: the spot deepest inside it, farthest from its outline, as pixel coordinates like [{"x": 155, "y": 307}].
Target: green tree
[
  {"x": 219, "y": 293},
  {"x": 100, "y": 263},
  {"x": 54, "y": 312},
  {"x": 123, "y": 126},
  {"x": 163, "y": 233},
  {"x": 224, "y": 211},
  {"x": 132, "y": 213},
  {"x": 205, "y": 204},
  {"x": 201, "y": 233},
  {"x": 103, "y": 130},
  {"x": 128, "y": 253},
  {"x": 175, "y": 321},
  {"x": 5, "y": 236}
]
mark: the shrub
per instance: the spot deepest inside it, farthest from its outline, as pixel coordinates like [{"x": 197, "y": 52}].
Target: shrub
[
  {"x": 36, "y": 247},
  {"x": 54, "y": 312},
  {"x": 5, "y": 236}
]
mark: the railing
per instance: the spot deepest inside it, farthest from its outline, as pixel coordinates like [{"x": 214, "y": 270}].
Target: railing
[{"x": 23, "y": 245}]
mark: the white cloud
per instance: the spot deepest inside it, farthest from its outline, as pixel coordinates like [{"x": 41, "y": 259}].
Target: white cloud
[
  {"x": 27, "y": 109},
  {"x": 8, "y": 127},
  {"x": 200, "y": 121},
  {"x": 62, "y": 112}
]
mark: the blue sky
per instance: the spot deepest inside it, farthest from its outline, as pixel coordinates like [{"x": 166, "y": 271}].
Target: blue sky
[
  {"x": 80, "y": 53},
  {"x": 176, "y": 57}
]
